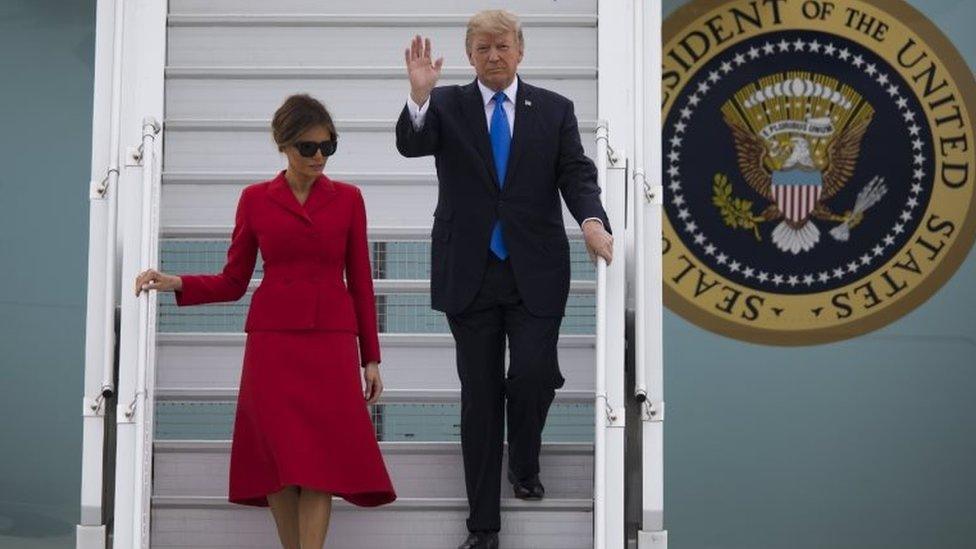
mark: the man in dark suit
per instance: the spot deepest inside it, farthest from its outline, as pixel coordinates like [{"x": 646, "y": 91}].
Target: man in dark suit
[{"x": 504, "y": 150}]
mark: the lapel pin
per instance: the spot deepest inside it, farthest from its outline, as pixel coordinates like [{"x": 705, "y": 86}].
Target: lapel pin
[{"x": 527, "y": 103}]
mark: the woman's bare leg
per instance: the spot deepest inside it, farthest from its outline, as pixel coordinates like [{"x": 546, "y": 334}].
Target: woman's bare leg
[
  {"x": 284, "y": 508},
  {"x": 314, "y": 512}
]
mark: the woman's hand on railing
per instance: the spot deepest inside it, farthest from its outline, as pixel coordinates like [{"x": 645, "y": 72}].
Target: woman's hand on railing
[{"x": 152, "y": 279}]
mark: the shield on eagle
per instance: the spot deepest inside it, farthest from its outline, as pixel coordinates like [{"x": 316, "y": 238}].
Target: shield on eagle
[{"x": 797, "y": 192}]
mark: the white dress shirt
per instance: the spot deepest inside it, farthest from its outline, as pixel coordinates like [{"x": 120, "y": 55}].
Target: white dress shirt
[{"x": 418, "y": 113}]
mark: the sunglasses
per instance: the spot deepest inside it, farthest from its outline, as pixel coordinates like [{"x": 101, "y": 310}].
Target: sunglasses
[{"x": 308, "y": 148}]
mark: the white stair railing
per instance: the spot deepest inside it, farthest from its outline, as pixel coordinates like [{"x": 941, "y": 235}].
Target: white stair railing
[
  {"x": 134, "y": 420},
  {"x": 608, "y": 477},
  {"x": 648, "y": 302},
  {"x": 140, "y": 409},
  {"x": 100, "y": 332}
]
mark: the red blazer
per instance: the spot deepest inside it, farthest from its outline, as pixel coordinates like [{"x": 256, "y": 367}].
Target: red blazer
[{"x": 306, "y": 249}]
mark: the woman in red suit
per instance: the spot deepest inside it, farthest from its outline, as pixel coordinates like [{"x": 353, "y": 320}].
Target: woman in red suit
[{"x": 302, "y": 432}]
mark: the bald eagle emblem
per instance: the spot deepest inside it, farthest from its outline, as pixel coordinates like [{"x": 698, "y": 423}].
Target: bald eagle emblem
[{"x": 797, "y": 139}]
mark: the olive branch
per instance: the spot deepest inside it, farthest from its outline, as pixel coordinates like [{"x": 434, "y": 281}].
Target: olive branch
[{"x": 736, "y": 212}]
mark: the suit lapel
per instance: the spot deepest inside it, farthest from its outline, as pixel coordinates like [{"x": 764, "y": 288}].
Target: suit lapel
[
  {"x": 323, "y": 191},
  {"x": 473, "y": 109},
  {"x": 525, "y": 120},
  {"x": 281, "y": 194}
]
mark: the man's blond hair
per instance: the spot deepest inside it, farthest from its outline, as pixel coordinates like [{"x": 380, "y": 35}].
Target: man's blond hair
[{"x": 494, "y": 22}]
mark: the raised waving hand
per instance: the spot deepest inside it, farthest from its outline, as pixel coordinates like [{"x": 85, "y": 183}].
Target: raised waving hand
[{"x": 423, "y": 72}]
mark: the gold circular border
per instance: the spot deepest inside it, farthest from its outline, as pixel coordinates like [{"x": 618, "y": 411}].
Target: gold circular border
[{"x": 966, "y": 85}]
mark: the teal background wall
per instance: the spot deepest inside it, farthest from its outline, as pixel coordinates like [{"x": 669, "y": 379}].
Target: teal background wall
[
  {"x": 46, "y": 68},
  {"x": 869, "y": 443},
  {"x": 864, "y": 444}
]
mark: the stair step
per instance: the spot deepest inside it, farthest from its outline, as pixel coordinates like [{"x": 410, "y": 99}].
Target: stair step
[
  {"x": 390, "y": 396},
  {"x": 570, "y": 421},
  {"x": 407, "y": 523},
  {"x": 410, "y": 361},
  {"x": 248, "y": 151},
  {"x": 200, "y": 468}
]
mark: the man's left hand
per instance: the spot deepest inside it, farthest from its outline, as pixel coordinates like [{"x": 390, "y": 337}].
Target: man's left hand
[{"x": 598, "y": 241}]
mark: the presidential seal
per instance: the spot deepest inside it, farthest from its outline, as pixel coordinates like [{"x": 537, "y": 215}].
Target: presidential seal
[{"x": 818, "y": 166}]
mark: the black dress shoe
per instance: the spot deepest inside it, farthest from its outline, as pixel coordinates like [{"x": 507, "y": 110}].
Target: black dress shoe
[
  {"x": 530, "y": 489},
  {"x": 480, "y": 540}
]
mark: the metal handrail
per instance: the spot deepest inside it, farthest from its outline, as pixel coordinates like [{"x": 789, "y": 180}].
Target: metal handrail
[
  {"x": 101, "y": 335},
  {"x": 640, "y": 382},
  {"x": 647, "y": 192},
  {"x": 609, "y": 372},
  {"x": 146, "y": 347},
  {"x": 614, "y": 95},
  {"x": 601, "y": 404},
  {"x": 107, "y": 189}
]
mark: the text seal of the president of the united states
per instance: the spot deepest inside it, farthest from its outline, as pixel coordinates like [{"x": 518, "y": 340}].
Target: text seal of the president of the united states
[{"x": 818, "y": 166}]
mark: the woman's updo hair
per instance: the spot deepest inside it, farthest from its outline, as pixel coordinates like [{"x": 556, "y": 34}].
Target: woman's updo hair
[{"x": 296, "y": 115}]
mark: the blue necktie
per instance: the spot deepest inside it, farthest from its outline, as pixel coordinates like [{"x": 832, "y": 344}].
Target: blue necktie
[{"x": 501, "y": 142}]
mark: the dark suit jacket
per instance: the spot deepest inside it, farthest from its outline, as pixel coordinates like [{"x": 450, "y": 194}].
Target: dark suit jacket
[
  {"x": 307, "y": 250},
  {"x": 546, "y": 159}
]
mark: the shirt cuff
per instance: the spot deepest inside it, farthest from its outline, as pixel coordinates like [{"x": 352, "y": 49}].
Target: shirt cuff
[
  {"x": 418, "y": 113},
  {"x": 589, "y": 218}
]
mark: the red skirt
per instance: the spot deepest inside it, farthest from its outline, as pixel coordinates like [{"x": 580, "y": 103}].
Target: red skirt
[{"x": 302, "y": 419}]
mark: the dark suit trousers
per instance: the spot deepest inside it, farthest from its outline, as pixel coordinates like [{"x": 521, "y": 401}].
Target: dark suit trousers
[{"x": 527, "y": 390}]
